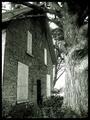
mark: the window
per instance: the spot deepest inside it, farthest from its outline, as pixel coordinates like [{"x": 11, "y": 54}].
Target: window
[
  {"x": 53, "y": 72},
  {"x": 45, "y": 56},
  {"x": 3, "y": 49},
  {"x": 22, "y": 82},
  {"x": 48, "y": 85},
  {"x": 29, "y": 43}
]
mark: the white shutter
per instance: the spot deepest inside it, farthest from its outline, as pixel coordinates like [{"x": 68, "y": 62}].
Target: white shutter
[
  {"x": 29, "y": 43},
  {"x": 45, "y": 56},
  {"x": 3, "y": 50},
  {"x": 22, "y": 82},
  {"x": 48, "y": 85}
]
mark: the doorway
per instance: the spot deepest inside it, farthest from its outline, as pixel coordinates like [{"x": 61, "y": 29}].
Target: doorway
[{"x": 39, "y": 97}]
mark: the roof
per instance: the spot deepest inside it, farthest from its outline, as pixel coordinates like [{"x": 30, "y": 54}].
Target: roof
[
  {"x": 14, "y": 14},
  {"x": 7, "y": 16}
]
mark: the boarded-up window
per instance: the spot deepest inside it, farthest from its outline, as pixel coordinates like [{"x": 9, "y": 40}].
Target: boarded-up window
[
  {"x": 3, "y": 49},
  {"x": 45, "y": 56},
  {"x": 22, "y": 82},
  {"x": 48, "y": 85},
  {"x": 29, "y": 43}
]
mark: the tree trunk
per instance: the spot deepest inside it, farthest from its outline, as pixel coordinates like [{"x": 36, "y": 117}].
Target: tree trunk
[{"x": 76, "y": 91}]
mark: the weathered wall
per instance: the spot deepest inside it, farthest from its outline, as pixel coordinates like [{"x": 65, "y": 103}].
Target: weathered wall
[
  {"x": 76, "y": 60},
  {"x": 15, "y": 50}
]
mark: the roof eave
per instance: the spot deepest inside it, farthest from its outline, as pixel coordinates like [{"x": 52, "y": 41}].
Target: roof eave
[{"x": 7, "y": 16}]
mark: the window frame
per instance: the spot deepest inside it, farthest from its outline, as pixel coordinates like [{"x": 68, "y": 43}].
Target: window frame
[
  {"x": 29, "y": 43},
  {"x": 22, "y": 85},
  {"x": 4, "y": 32},
  {"x": 45, "y": 57},
  {"x": 48, "y": 85}
]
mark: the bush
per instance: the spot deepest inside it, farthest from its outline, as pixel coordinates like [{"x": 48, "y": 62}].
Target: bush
[
  {"x": 6, "y": 106},
  {"x": 25, "y": 110},
  {"x": 53, "y": 101},
  {"x": 54, "y": 109},
  {"x": 52, "y": 106},
  {"x": 67, "y": 112}
]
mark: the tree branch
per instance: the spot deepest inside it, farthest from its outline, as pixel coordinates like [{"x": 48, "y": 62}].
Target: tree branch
[
  {"x": 43, "y": 8},
  {"x": 60, "y": 75},
  {"x": 60, "y": 68},
  {"x": 59, "y": 63}
]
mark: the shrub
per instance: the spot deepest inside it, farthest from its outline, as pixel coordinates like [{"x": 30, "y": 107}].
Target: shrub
[
  {"x": 67, "y": 112},
  {"x": 52, "y": 106},
  {"x": 6, "y": 106},
  {"x": 25, "y": 110}
]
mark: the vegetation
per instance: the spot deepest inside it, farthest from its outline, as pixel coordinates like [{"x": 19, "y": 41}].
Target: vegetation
[{"x": 51, "y": 108}]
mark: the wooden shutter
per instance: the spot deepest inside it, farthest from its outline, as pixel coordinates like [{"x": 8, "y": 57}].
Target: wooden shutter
[
  {"x": 48, "y": 85},
  {"x": 3, "y": 49},
  {"x": 45, "y": 56},
  {"x": 29, "y": 43},
  {"x": 22, "y": 82}
]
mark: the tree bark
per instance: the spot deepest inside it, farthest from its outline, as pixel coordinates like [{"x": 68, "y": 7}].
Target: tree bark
[{"x": 76, "y": 81}]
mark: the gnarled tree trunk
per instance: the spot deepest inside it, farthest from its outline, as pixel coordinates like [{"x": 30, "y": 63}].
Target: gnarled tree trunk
[{"x": 76, "y": 60}]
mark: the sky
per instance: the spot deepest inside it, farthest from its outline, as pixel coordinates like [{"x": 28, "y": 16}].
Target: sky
[
  {"x": 60, "y": 82},
  {"x": 53, "y": 26},
  {"x": 6, "y": 6}
]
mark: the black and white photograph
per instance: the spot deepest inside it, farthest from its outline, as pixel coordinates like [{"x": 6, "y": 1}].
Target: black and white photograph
[{"x": 44, "y": 59}]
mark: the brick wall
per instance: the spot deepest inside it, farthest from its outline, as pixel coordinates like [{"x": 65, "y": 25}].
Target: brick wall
[{"x": 15, "y": 50}]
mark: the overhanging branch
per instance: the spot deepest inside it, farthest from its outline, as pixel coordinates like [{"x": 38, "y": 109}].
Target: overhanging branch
[
  {"x": 60, "y": 75},
  {"x": 32, "y": 5},
  {"x": 43, "y": 8}
]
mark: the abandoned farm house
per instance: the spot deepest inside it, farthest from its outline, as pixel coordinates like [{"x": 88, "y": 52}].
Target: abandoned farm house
[{"x": 27, "y": 57}]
